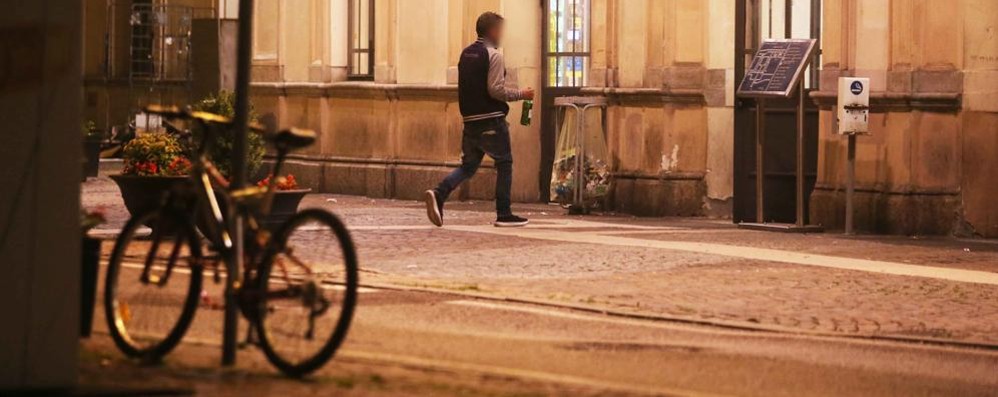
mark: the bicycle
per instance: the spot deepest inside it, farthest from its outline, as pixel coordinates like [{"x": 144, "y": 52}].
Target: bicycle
[{"x": 298, "y": 285}]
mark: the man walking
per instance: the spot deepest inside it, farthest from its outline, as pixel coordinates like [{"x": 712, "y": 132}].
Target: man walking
[{"x": 482, "y": 95}]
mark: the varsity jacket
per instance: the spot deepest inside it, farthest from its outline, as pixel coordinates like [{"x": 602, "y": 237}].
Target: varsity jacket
[{"x": 482, "y": 92}]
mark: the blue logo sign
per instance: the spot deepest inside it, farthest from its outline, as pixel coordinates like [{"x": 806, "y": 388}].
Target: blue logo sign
[{"x": 856, "y": 88}]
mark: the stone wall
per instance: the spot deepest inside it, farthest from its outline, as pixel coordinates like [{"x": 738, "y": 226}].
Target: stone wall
[
  {"x": 926, "y": 167},
  {"x": 667, "y": 69},
  {"x": 39, "y": 206},
  {"x": 377, "y": 140}
]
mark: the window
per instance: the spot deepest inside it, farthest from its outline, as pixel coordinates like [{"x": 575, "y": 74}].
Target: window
[
  {"x": 568, "y": 43},
  {"x": 361, "y": 38},
  {"x": 779, "y": 19}
]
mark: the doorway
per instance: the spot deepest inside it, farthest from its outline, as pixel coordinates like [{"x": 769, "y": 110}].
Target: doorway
[
  {"x": 758, "y": 20},
  {"x": 564, "y": 71}
]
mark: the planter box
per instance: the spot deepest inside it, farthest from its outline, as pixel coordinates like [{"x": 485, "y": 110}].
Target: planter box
[
  {"x": 285, "y": 206},
  {"x": 91, "y": 158},
  {"x": 145, "y": 193}
]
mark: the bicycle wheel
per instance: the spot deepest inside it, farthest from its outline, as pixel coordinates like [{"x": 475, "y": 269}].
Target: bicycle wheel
[
  {"x": 307, "y": 290},
  {"x": 149, "y": 307}
]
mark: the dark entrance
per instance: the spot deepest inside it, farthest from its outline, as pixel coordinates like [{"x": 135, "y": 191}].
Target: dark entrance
[
  {"x": 564, "y": 70},
  {"x": 758, "y": 20}
]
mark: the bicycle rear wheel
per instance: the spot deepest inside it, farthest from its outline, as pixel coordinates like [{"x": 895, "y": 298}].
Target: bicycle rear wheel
[
  {"x": 153, "y": 283},
  {"x": 307, "y": 292}
]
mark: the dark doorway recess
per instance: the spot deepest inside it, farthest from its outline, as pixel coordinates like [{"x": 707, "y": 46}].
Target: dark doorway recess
[
  {"x": 564, "y": 71},
  {"x": 757, "y": 20}
]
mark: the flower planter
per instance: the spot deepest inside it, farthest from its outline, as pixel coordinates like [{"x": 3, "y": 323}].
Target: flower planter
[
  {"x": 145, "y": 193},
  {"x": 90, "y": 261},
  {"x": 285, "y": 206},
  {"x": 91, "y": 154}
]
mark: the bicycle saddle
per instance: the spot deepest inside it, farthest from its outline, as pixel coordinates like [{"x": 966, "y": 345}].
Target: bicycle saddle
[{"x": 292, "y": 138}]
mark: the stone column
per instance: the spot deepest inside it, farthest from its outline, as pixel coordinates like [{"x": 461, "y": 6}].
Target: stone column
[
  {"x": 522, "y": 52},
  {"x": 422, "y": 55},
  {"x": 40, "y": 104},
  {"x": 267, "y": 38},
  {"x": 719, "y": 89},
  {"x": 632, "y": 43},
  {"x": 385, "y": 51}
]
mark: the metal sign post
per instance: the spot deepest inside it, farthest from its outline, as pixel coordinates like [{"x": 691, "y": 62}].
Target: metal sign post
[
  {"x": 776, "y": 72},
  {"x": 853, "y": 119},
  {"x": 760, "y": 169},
  {"x": 850, "y": 183},
  {"x": 244, "y": 53}
]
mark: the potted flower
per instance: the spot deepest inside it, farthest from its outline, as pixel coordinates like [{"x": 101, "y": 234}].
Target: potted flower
[
  {"x": 154, "y": 163},
  {"x": 90, "y": 265},
  {"x": 287, "y": 197},
  {"x": 220, "y": 153},
  {"x": 92, "y": 139}
]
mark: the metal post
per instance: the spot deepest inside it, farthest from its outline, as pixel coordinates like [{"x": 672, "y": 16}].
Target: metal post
[
  {"x": 850, "y": 183},
  {"x": 800, "y": 153},
  {"x": 760, "y": 170},
  {"x": 240, "y": 123},
  {"x": 580, "y": 158}
]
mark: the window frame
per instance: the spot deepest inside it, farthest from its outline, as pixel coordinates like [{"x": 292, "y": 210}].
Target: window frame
[
  {"x": 355, "y": 50},
  {"x": 553, "y": 54}
]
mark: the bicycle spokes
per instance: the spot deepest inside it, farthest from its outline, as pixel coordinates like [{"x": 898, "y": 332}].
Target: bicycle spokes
[
  {"x": 152, "y": 285},
  {"x": 305, "y": 292}
]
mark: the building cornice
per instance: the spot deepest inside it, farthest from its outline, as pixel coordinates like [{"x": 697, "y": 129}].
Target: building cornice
[
  {"x": 358, "y": 90},
  {"x": 647, "y": 96},
  {"x": 883, "y": 102}
]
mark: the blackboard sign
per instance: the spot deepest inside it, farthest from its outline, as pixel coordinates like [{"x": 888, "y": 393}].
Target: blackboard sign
[{"x": 777, "y": 67}]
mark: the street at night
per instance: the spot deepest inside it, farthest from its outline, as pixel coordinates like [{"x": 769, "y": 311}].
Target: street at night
[
  {"x": 499, "y": 198},
  {"x": 617, "y": 305}
]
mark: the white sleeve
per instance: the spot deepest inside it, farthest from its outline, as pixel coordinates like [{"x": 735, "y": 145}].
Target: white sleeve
[{"x": 497, "y": 79}]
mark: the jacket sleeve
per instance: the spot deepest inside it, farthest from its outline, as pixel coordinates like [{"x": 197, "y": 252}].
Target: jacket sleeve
[{"x": 497, "y": 79}]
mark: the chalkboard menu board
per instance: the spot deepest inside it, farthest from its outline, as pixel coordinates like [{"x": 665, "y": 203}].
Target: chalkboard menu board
[{"x": 776, "y": 68}]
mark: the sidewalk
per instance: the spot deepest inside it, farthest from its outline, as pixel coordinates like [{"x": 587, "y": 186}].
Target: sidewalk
[{"x": 692, "y": 269}]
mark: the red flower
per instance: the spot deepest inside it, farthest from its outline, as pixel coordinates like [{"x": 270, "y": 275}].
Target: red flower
[{"x": 286, "y": 183}]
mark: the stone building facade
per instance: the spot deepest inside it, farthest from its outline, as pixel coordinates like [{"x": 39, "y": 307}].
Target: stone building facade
[
  {"x": 376, "y": 79},
  {"x": 929, "y": 166}
]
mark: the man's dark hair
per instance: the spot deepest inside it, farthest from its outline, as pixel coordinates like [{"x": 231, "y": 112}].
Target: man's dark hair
[{"x": 486, "y": 22}]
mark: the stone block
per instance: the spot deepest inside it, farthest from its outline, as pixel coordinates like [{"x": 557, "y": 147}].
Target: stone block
[
  {"x": 308, "y": 174},
  {"x": 410, "y": 181},
  {"x": 898, "y": 81},
  {"x": 356, "y": 179},
  {"x": 659, "y": 197},
  {"x": 684, "y": 77},
  {"x": 927, "y": 81},
  {"x": 888, "y": 213}
]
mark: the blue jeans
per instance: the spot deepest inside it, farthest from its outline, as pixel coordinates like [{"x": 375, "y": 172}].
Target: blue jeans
[{"x": 483, "y": 137}]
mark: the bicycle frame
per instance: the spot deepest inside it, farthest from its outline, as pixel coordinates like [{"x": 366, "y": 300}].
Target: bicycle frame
[
  {"x": 219, "y": 225},
  {"x": 265, "y": 272}
]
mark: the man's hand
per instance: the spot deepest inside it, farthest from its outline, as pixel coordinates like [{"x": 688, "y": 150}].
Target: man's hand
[{"x": 527, "y": 94}]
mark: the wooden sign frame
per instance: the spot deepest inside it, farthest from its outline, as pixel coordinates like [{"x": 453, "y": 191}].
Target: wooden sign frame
[
  {"x": 763, "y": 64},
  {"x": 770, "y": 59}
]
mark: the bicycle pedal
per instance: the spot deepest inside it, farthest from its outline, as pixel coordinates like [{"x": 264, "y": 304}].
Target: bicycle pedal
[{"x": 246, "y": 345}]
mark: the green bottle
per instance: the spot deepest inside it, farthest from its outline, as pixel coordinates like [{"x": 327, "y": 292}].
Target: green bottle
[{"x": 527, "y": 116}]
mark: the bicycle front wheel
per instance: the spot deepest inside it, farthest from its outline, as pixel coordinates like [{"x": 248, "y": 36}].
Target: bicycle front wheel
[
  {"x": 153, "y": 283},
  {"x": 307, "y": 292}
]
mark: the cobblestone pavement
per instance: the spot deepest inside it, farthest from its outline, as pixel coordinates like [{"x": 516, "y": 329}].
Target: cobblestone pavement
[{"x": 397, "y": 246}]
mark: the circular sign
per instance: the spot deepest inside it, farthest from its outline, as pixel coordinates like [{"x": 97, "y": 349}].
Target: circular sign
[{"x": 856, "y": 88}]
